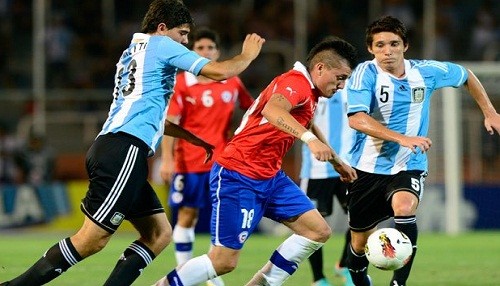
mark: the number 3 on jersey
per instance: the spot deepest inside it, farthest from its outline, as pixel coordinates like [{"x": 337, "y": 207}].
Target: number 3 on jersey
[{"x": 128, "y": 88}]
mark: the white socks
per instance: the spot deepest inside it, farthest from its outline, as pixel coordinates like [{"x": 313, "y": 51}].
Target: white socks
[
  {"x": 285, "y": 260},
  {"x": 183, "y": 239},
  {"x": 197, "y": 270}
]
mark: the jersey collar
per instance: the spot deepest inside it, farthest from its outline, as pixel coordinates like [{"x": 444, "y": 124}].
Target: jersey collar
[{"x": 298, "y": 66}]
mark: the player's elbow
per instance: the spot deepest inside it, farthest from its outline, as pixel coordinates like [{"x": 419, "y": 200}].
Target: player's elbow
[
  {"x": 221, "y": 75},
  {"x": 216, "y": 71},
  {"x": 356, "y": 121},
  {"x": 266, "y": 112}
]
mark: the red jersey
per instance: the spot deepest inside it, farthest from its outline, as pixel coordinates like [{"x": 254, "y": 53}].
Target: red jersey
[
  {"x": 206, "y": 110},
  {"x": 258, "y": 147}
]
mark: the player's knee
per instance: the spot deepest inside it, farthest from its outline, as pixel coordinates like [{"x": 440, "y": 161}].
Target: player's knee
[
  {"x": 101, "y": 243},
  {"x": 87, "y": 245},
  {"x": 225, "y": 266},
  {"x": 404, "y": 209},
  {"x": 157, "y": 239},
  {"x": 223, "y": 261},
  {"x": 161, "y": 238},
  {"x": 92, "y": 246},
  {"x": 404, "y": 203},
  {"x": 321, "y": 233}
]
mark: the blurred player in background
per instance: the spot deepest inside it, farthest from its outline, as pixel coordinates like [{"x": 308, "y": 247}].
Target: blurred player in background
[
  {"x": 205, "y": 108},
  {"x": 117, "y": 160},
  {"x": 247, "y": 182},
  {"x": 389, "y": 100},
  {"x": 321, "y": 182}
]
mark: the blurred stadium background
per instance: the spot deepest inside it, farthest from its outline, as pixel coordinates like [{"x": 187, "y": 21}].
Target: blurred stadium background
[{"x": 57, "y": 61}]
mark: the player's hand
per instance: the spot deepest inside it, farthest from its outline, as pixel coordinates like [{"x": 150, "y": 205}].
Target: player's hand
[
  {"x": 414, "y": 142},
  {"x": 492, "y": 124},
  {"x": 209, "y": 154},
  {"x": 252, "y": 46},
  {"x": 320, "y": 151},
  {"x": 167, "y": 172},
  {"x": 209, "y": 148},
  {"x": 347, "y": 173},
  {"x": 209, "y": 151}
]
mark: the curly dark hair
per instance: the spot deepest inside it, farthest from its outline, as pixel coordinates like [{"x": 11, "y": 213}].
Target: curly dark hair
[
  {"x": 171, "y": 12},
  {"x": 205, "y": 33},
  {"x": 386, "y": 24},
  {"x": 331, "y": 50}
]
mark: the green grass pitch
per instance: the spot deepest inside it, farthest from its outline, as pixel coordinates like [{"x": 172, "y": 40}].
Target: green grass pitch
[{"x": 462, "y": 260}]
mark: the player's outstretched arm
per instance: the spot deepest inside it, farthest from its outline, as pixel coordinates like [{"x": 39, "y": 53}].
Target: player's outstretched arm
[
  {"x": 174, "y": 130},
  {"x": 234, "y": 66},
  {"x": 366, "y": 124},
  {"x": 477, "y": 91}
]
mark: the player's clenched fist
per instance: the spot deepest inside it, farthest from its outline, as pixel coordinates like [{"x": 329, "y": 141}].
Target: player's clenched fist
[{"x": 252, "y": 45}]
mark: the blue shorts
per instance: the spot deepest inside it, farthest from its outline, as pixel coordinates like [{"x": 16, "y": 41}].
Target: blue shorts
[
  {"x": 189, "y": 190},
  {"x": 240, "y": 202}
]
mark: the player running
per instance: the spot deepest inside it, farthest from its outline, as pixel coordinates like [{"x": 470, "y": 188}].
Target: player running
[{"x": 247, "y": 182}]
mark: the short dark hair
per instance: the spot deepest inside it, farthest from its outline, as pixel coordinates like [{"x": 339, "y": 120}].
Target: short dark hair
[
  {"x": 331, "y": 50},
  {"x": 171, "y": 12},
  {"x": 386, "y": 24},
  {"x": 205, "y": 33}
]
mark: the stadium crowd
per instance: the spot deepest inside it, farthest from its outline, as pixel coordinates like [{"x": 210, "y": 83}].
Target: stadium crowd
[{"x": 82, "y": 37}]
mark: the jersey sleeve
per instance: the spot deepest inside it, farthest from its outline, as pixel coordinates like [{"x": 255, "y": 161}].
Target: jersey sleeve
[
  {"x": 244, "y": 97},
  {"x": 294, "y": 87},
  {"x": 181, "y": 57},
  {"x": 448, "y": 74},
  {"x": 359, "y": 89}
]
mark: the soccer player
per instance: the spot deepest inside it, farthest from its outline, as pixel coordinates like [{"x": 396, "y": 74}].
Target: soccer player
[
  {"x": 117, "y": 160},
  {"x": 321, "y": 182},
  {"x": 247, "y": 183},
  {"x": 205, "y": 108},
  {"x": 389, "y": 100}
]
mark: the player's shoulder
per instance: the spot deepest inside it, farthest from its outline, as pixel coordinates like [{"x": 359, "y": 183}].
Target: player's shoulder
[
  {"x": 366, "y": 67},
  {"x": 293, "y": 76},
  {"x": 430, "y": 65},
  {"x": 166, "y": 47},
  {"x": 364, "y": 74}
]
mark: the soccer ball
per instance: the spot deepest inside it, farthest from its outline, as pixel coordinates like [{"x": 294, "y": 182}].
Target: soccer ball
[{"x": 388, "y": 249}]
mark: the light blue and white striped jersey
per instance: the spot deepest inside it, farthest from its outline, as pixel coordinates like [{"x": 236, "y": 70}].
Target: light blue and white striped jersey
[
  {"x": 331, "y": 119},
  {"x": 144, "y": 81},
  {"x": 401, "y": 105}
]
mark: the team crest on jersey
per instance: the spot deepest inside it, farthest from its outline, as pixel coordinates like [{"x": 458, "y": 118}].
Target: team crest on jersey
[
  {"x": 117, "y": 218},
  {"x": 243, "y": 236},
  {"x": 417, "y": 94},
  {"x": 226, "y": 96}
]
